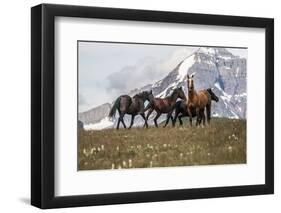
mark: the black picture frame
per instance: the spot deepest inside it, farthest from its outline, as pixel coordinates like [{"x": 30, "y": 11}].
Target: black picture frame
[{"x": 43, "y": 105}]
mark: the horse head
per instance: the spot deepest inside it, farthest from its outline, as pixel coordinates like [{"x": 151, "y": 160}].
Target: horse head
[
  {"x": 146, "y": 95},
  {"x": 179, "y": 93},
  {"x": 213, "y": 95},
  {"x": 190, "y": 83}
]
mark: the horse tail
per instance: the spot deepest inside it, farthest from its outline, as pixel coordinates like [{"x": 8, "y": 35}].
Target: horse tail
[{"x": 114, "y": 107}]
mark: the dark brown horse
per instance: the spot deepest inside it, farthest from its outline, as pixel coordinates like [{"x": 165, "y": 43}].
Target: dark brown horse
[
  {"x": 197, "y": 101},
  {"x": 181, "y": 108},
  {"x": 164, "y": 105},
  {"x": 132, "y": 106}
]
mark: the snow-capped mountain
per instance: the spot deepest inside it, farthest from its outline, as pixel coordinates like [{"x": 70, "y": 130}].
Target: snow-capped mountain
[{"x": 214, "y": 68}]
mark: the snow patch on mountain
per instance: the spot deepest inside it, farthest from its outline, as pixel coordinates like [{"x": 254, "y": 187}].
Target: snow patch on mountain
[
  {"x": 185, "y": 66},
  {"x": 241, "y": 95},
  {"x": 207, "y": 50},
  {"x": 103, "y": 124},
  {"x": 164, "y": 93},
  {"x": 225, "y": 95}
]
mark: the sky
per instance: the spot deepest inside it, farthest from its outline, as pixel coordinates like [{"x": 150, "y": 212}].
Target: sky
[{"x": 108, "y": 70}]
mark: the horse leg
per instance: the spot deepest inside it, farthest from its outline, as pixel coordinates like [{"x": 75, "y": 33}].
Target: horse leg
[
  {"x": 149, "y": 112},
  {"x": 145, "y": 121},
  {"x": 189, "y": 115},
  {"x": 208, "y": 109},
  {"x": 147, "y": 116},
  {"x": 155, "y": 119},
  {"x": 180, "y": 120},
  {"x": 175, "y": 118},
  {"x": 197, "y": 116},
  {"x": 202, "y": 117},
  {"x": 132, "y": 121},
  {"x": 118, "y": 122},
  {"x": 168, "y": 119},
  {"x": 122, "y": 120}
]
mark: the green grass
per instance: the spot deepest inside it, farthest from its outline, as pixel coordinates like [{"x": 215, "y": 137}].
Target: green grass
[{"x": 224, "y": 142}]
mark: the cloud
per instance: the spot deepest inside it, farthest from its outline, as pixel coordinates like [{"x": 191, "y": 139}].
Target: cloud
[
  {"x": 143, "y": 72},
  {"x": 83, "y": 104},
  {"x": 146, "y": 71}
]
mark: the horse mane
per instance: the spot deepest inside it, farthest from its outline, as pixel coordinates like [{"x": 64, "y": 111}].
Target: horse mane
[
  {"x": 139, "y": 95},
  {"x": 173, "y": 93}
]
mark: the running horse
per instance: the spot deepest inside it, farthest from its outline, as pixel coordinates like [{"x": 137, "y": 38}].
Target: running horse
[
  {"x": 181, "y": 108},
  {"x": 197, "y": 101},
  {"x": 164, "y": 105},
  {"x": 124, "y": 104}
]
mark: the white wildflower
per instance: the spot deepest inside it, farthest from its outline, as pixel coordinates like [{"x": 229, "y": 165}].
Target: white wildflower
[
  {"x": 124, "y": 164},
  {"x": 86, "y": 153},
  {"x": 92, "y": 151},
  {"x": 130, "y": 163}
]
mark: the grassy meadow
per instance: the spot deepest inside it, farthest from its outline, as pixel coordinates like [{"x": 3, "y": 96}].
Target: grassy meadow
[{"x": 223, "y": 142}]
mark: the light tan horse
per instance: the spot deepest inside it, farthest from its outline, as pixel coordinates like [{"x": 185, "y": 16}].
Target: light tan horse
[{"x": 197, "y": 101}]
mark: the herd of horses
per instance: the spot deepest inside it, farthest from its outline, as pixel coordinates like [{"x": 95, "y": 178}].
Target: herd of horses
[{"x": 193, "y": 106}]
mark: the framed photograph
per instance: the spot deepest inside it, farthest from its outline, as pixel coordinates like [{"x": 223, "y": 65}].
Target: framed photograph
[{"x": 139, "y": 106}]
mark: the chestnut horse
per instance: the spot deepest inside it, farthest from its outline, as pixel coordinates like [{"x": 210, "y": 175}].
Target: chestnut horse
[
  {"x": 181, "y": 108},
  {"x": 197, "y": 101},
  {"x": 164, "y": 105},
  {"x": 124, "y": 104}
]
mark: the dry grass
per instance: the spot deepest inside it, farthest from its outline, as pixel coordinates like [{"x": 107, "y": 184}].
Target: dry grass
[{"x": 224, "y": 142}]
